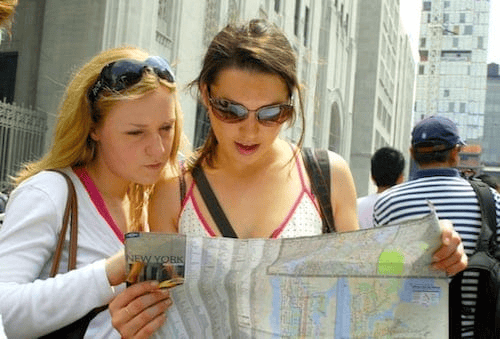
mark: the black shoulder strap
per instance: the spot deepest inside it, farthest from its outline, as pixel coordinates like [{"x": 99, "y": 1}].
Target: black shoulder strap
[
  {"x": 212, "y": 203},
  {"x": 487, "y": 239},
  {"x": 317, "y": 166}
]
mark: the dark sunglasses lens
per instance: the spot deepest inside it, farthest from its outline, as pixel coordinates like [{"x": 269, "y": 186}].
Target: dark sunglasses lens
[
  {"x": 161, "y": 67},
  {"x": 122, "y": 74},
  {"x": 238, "y": 111},
  {"x": 229, "y": 112},
  {"x": 275, "y": 114},
  {"x": 269, "y": 113}
]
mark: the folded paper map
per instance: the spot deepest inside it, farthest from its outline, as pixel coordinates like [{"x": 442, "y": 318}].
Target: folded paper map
[{"x": 374, "y": 283}]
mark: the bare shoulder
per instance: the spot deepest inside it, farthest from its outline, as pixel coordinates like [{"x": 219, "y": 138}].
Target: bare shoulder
[
  {"x": 338, "y": 164},
  {"x": 165, "y": 205},
  {"x": 340, "y": 172}
]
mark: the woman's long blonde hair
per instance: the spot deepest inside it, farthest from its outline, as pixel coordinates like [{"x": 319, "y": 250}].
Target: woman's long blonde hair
[{"x": 72, "y": 145}]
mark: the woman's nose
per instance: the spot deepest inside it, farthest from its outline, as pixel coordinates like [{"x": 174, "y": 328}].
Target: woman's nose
[
  {"x": 250, "y": 124},
  {"x": 156, "y": 146}
]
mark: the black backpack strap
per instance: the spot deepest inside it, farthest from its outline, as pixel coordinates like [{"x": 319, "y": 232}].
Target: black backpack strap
[
  {"x": 487, "y": 239},
  {"x": 212, "y": 203},
  {"x": 317, "y": 164},
  {"x": 481, "y": 277}
]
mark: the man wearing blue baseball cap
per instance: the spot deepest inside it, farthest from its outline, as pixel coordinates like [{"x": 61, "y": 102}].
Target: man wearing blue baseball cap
[
  {"x": 435, "y": 145},
  {"x": 434, "y": 138}
]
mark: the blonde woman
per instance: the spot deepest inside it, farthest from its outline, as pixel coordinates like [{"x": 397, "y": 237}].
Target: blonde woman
[{"x": 118, "y": 130}]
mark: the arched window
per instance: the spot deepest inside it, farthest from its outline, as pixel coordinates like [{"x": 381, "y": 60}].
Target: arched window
[{"x": 335, "y": 128}]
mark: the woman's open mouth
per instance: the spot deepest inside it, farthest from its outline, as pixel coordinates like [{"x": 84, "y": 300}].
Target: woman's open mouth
[{"x": 246, "y": 149}]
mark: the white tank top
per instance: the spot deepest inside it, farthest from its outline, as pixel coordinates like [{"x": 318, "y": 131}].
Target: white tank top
[{"x": 304, "y": 218}]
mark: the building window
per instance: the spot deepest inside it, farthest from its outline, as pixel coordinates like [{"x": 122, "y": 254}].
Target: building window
[
  {"x": 335, "y": 131},
  {"x": 462, "y": 18},
  {"x": 426, "y": 6},
  {"x": 446, "y": 17},
  {"x": 166, "y": 18},
  {"x": 346, "y": 25},
  {"x": 424, "y": 55},
  {"x": 306, "y": 27},
  {"x": 341, "y": 14},
  {"x": 421, "y": 69},
  {"x": 446, "y": 93},
  {"x": 296, "y": 18},
  {"x": 455, "y": 42},
  {"x": 8, "y": 65},
  {"x": 480, "y": 42},
  {"x": 277, "y": 6},
  {"x": 451, "y": 107},
  {"x": 165, "y": 26},
  {"x": 202, "y": 126},
  {"x": 422, "y": 42},
  {"x": 446, "y": 4},
  {"x": 428, "y": 18},
  {"x": 468, "y": 30},
  {"x": 462, "y": 107}
]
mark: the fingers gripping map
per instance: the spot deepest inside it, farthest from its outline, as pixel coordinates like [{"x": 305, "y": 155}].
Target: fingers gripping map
[{"x": 374, "y": 283}]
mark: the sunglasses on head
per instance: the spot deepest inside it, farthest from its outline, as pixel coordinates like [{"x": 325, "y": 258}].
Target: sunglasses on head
[
  {"x": 231, "y": 112},
  {"x": 121, "y": 74}
]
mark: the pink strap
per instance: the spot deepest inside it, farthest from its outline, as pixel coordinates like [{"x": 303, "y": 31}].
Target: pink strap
[{"x": 98, "y": 201}]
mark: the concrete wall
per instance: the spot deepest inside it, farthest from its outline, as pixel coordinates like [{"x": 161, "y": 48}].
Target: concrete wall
[
  {"x": 365, "y": 93},
  {"x": 72, "y": 34},
  {"x": 384, "y": 86}
]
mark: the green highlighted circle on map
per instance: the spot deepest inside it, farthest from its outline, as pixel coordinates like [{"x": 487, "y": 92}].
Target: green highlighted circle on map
[{"x": 391, "y": 263}]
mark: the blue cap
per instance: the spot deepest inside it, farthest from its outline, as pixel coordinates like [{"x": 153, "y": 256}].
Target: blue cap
[{"x": 435, "y": 133}]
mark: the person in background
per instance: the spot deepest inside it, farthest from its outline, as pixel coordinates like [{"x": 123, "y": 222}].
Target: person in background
[
  {"x": 118, "y": 129},
  {"x": 248, "y": 83},
  {"x": 387, "y": 166},
  {"x": 436, "y": 144}
]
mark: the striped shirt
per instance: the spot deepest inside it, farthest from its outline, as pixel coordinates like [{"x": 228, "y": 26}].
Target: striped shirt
[{"x": 453, "y": 198}]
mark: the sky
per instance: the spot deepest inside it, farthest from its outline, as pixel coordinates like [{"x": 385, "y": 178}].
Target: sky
[{"x": 410, "y": 14}]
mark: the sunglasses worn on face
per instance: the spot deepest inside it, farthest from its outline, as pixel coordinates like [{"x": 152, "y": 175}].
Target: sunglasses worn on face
[
  {"x": 121, "y": 74},
  {"x": 231, "y": 112}
]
